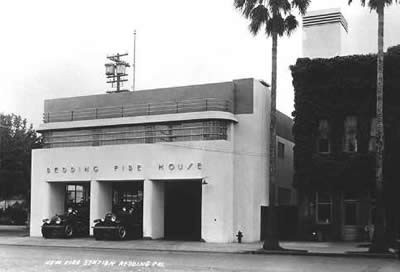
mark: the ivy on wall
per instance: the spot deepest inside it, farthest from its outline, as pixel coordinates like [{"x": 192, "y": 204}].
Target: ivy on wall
[{"x": 332, "y": 89}]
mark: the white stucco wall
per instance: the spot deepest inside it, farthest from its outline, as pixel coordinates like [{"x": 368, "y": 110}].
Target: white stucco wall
[
  {"x": 314, "y": 46},
  {"x": 251, "y": 164},
  {"x": 235, "y": 171},
  {"x": 138, "y": 162},
  {"x": 153, "y": 215},
  {"x": 100, "y": 200}
]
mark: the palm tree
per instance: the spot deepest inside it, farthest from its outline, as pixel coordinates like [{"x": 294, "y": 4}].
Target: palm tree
[
  {"x": 276, "y": 18},
  {"x": 379, "y": 243}
]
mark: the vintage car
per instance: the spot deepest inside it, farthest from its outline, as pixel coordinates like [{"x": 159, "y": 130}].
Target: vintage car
[
  {"x": 73, "y": 223},
  {"x": 121, "y": 224}
]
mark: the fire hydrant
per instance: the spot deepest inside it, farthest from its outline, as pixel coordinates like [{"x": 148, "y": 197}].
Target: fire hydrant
[{"x": 239, "y": 236}]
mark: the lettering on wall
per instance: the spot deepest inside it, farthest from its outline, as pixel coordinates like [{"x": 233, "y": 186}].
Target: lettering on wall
[
  {"x": 179, "y": 166},
  {"x": 72, "y": 169},
  {"x": 133, "y": 168},
  {"x": 128, "y": 167}
]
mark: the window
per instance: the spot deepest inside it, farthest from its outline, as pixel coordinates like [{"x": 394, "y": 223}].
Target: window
[
  {"x": 77, "y": 196},
  {"x": 165, "y": 133},
  {"x": 281, "y": 150},
  {"x": 201, "y": 130},
  {"x": 323, "y": 144},
  {"x": 350, "y": 134},
  {"x": 149, "y": 134},
  {"x": 372, "y": 136},
  {"x": 127, "y": 194},
  {"x": 351, "y": 204},
  {"x": 323, "y": 208}
]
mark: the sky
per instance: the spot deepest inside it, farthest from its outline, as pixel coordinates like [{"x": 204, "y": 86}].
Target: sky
[{"x": 58, "y": 48}]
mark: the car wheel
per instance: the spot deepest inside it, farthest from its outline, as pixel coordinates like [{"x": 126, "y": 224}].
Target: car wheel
[
  {"x": 121, "y": 233},
  {"x": 68, "y": 231}
]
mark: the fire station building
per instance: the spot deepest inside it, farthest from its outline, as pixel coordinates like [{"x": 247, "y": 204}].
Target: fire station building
[{"x": 194, "y": 157}]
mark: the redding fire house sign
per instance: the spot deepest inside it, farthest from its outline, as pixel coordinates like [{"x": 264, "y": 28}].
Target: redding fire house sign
[{"x": 166, "y": 167}]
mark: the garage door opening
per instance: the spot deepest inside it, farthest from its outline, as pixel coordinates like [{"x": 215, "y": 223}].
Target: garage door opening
[
  {"x": 129, "y": 195},
  {"x": 182, "y": 214},
  {"x": 77, "y": 197}
]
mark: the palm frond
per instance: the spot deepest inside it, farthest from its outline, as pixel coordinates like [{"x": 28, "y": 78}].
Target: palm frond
[
  {"x": 268, "y": 27},
  {"x": 389, "y": 2},
  {"x": 276, "y": 15},
  {"x": 373, "y": 4},
  {"x": 248, "y": 7},
  {"x": 258, "y": 16},
  {"x": 285, "y": 6},
  {"x": 291, "y": 24},
  {"x": 275, "y": 24},
  {"x": 362, "y": 2},
  {"x": 301, "y": 5},
  {"x": 278, "y": 6},
  {"x": 239, "y": 4}
]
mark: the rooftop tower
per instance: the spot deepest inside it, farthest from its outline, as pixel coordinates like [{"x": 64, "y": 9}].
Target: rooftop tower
[{"x": 324, "y": 32}]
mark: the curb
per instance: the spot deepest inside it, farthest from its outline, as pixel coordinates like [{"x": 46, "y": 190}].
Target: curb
[
  {"x": 287, "y": 252},
  {"x": 325, "y": 254},
  {"x": 130, "y": 249}
]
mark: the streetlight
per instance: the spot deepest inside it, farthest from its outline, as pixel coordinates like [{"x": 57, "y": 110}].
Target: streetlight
[
  {"x": 110, "y": 69},
  {"x": 116, "y": 72}
]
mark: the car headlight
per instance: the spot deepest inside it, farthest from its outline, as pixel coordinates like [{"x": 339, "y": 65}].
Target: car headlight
[
  {"x": 58, "y": 220},
  {"x": 113, "y": 218}
]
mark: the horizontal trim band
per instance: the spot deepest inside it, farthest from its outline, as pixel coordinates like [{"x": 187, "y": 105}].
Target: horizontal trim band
[
  {"x": 327, "y": 18},
  {"x": 148, "y": 119}
]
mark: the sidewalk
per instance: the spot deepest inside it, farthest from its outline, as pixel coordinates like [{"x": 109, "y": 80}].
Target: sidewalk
[
  {"x": 337, "y": 249},
  {"x": 332, "y": 249},
  {"x": 144, "y": 245}
]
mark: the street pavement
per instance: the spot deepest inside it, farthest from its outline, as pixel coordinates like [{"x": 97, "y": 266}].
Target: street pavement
[{"x": 22, "y": 258}]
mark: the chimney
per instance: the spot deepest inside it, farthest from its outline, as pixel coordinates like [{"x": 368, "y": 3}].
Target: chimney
[{"x": 324, "y": 32}]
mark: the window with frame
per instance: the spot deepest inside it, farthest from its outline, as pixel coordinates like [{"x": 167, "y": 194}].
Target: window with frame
[
  {"x": 201, "y": 130},
  {"x": 149, "y": 134},
  {"x": 350, "y": 134},
  {"x": 372, "y": 136},
  {"x": 323, "y": 143},
  {"x": 126, "y": 193},
  {"x": 77, "y": 195},
  {"x": 323, "y": 208},
  {"x": 351, "y": 206},
  {"x": 281, "y": 150}
]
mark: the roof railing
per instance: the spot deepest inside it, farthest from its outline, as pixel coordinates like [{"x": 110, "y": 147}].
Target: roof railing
[{"x": 168, "y": 107}]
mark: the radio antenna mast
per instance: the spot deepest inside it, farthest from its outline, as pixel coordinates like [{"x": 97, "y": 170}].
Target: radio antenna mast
[{"x": 134, "y": 61}]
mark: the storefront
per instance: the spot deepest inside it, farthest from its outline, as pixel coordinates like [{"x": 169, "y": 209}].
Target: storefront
[{"x": 191, "y": 158}]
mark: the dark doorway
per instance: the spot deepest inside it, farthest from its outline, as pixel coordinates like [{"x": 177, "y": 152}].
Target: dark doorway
[
  {"x": 182, "y": 214},
  {"x": 129, "y": 196},
  {"x": 77, "y": 197}
]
